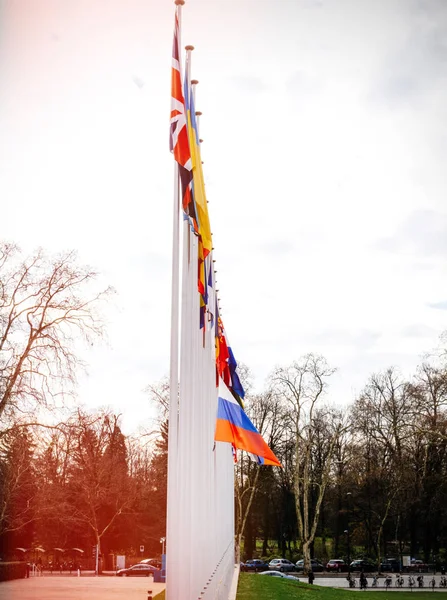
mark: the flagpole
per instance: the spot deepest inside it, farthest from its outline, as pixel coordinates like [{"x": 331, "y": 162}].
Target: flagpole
[
  {"x": 189, "y": 388},
  {"x": 172, "y": 516},
  {"x": 200, "y": 495}
]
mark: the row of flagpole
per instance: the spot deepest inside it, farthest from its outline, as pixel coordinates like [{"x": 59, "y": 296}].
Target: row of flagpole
[
  {"x": 205, "y": 390},
  {"x": 200, "y": 526},
  {"x": 204, "y": 500}
]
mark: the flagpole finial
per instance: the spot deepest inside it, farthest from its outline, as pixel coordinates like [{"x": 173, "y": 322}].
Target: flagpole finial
[
  {"x": 188, "y": 48},
  {"x": 194, "y": 81},
  {"x": 179, "y": 2}
]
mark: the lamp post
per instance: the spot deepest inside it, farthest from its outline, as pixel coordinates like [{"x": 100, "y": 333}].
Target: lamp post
[
  {"x": 162, "y": 542},
  {"x": 338, "y": 523},
  {"x": 348, "y": 496},
  {"x": 349, "y": 549}
]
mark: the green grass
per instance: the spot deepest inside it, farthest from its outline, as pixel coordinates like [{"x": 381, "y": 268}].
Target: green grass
[{"x": 254, "y": 587}]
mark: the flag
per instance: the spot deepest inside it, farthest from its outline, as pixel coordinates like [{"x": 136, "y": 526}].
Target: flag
[
  {"x": 200, "y": 201},
  {"x": 205, "y": 287},
  {"x": 178, "y": 139},
  {"x": 235, "y": 427},
  {"x": 211, "y": 290},
  {"x": 236, "y": 385},
  {"x": 226, "y": 364},
  {"x": 222, "y": 354}
]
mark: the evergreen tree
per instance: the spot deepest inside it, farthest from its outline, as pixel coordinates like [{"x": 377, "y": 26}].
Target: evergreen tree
[{"x": 18, "y": 510}]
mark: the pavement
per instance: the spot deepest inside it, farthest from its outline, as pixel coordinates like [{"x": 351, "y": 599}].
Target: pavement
[
  {"x": 341, "y": 582},
  {"x": 60, "y": 587}
]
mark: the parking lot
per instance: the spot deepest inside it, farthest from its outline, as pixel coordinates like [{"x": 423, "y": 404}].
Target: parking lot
[{"x": 54, "y": 587}]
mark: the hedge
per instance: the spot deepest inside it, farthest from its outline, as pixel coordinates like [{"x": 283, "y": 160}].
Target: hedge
[{"x": 12, "y": 570}]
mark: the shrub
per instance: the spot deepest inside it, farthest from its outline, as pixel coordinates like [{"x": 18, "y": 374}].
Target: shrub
[{"x": 12, "y": 570}]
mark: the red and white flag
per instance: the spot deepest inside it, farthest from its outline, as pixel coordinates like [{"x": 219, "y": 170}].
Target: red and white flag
[{"x": 178, "y": 140}]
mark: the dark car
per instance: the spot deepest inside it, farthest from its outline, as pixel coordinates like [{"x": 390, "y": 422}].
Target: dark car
[
  {"x": 317, "y": 567},
  {"x": 140, "y": 570},
  {"x": 151, "y": 561},
  {"x": 390, "y": 565},
  {"x": 363, "y": 565},
  {"x": 418, "y": 565},
  {"x": 254, "y": 564},
  {"x": 336, "y": 564}
]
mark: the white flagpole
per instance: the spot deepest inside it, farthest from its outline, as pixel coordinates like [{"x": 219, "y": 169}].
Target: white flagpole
[
  {"x": 172, "y": 518},
  {"x": 189, "y": 388},
  {"x": 200, "y": 516}
]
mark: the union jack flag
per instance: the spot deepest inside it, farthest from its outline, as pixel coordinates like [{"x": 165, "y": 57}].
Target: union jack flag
[{"x": 178, "y": 139}]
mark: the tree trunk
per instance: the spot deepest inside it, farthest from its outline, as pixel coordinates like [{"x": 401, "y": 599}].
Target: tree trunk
[
  {"x": 283, "y": 544},
  {"x": 243, "y": 514},
  {"x": 237, "y": 550},
  {"x": 98, "y": 552},
  {"x": 306, "y": 557},
  {"x": 248, "y": 540}
]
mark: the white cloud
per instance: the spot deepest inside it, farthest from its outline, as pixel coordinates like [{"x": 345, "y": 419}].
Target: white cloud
[{"x": 439, "y": 305}]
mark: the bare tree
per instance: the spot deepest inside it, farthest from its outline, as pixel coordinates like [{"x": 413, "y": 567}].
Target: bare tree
[
  {"x": 99, "y": 479},
  {"x": 245, "y": 488},
  {"x": 159, "y": 397},
  {"x": 79, "y": 483},
  {"x": 301, "y": 387},
  {"x": 266, "y": 416},
  {"x": 429, "y": 393},
  {"x": 44, "y": 310},
  {"x": 382, "y": 419}
]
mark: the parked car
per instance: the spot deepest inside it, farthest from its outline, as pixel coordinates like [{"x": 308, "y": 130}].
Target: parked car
[
  {"x": 336, "y": 564},
  {"x": 151, "y": 561},
  {"x": 363, "y": 565},
  {"x": 254, "y": 564},
  {"x": 140, "y": 570},
  {"x": 316, "y": 566},
  {"x": 390, "y": 565},
  {"x": 281, "y": 564},
  {"x": 418, "y": 565},
  {"x": 278, "y": 574}
]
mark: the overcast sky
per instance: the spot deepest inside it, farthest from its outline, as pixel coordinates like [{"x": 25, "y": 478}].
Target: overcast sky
[{"x": 325, "y": 150}]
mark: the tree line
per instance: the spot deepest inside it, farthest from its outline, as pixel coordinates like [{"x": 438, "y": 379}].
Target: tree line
[
  {"x": 82, "y": 483},
  {"x": 366, "y": 480},
  {"x": 78, "y": 481},
  {"x": 371, "y": 475}
]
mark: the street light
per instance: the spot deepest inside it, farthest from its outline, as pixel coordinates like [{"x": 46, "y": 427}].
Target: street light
[
  {"x": 349, "y": 549},
  {"x": 348, "y": 495},
  {"x": 162, "y": 541},
  {"x": 340, "y": 518}
]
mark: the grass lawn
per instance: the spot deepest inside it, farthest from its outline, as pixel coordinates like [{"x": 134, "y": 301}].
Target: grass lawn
[{"x": 252, "y": 587}]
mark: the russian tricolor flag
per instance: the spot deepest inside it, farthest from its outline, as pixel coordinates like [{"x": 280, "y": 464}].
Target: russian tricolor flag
[{"x": 235, "y": 427}]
